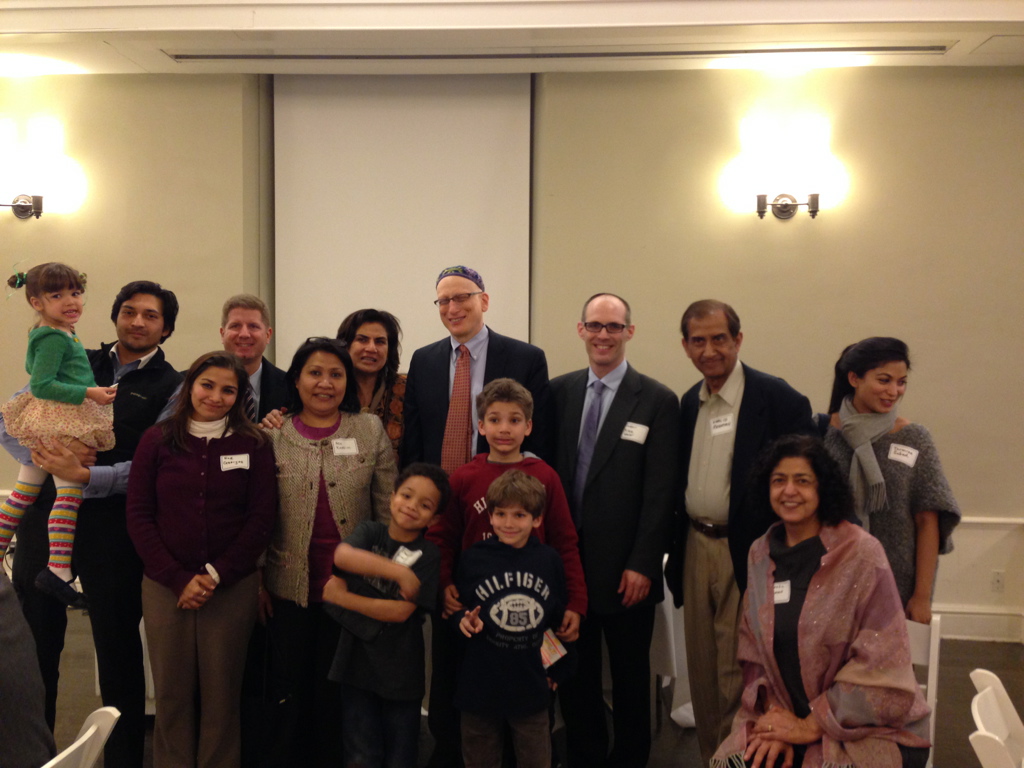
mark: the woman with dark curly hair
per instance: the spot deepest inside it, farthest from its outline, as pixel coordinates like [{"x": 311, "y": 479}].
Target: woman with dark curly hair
[
  {"x": 372, "y": 337},
  {"x": 827, "y": 678},
  {"x": 900, "y": 491}
]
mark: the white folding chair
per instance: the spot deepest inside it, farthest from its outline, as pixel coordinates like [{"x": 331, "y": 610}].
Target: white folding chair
[
  {"x": 988, "y": 717},
  {"x": 924, "y": 652},
  {"x": 983, "y": 679},
  {"x": 86, "y": 748},
  {"x": 991, "y": 752},
  {"x": 73, "y": 756}
]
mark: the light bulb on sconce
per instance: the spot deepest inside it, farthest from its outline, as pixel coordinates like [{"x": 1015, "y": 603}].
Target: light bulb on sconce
[
  {"x": 784, "y": 152},
  {"x": 26, "y": 206},
  {"x": 33, "y": 158},
  {"x": 784, "y": 206}
]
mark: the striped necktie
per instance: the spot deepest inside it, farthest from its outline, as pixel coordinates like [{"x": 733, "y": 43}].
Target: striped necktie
[{"x": 250, "y": 405}]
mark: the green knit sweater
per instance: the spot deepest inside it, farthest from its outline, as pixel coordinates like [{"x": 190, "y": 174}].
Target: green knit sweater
[{"x": 58, "y": 365}]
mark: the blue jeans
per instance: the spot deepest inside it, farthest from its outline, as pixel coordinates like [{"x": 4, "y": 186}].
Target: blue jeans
[{"x": 378, "y": 733}]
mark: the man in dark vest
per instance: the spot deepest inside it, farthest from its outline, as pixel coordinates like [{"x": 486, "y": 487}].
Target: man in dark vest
[{"x": 104, "y": 558}]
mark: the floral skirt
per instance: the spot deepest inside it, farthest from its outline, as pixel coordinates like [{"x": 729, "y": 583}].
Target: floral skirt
[{"x": 36, "y": 422}]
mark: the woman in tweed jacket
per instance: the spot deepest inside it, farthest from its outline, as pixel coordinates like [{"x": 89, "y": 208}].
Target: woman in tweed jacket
[{"x": 335, "y": 468}]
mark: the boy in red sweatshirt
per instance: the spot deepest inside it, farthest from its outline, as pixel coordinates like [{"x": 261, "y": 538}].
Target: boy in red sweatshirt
[{"x": 505, "y": 413}]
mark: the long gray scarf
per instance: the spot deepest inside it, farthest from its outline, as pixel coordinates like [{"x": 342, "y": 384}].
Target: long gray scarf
[{"x": 860, "y": 430}]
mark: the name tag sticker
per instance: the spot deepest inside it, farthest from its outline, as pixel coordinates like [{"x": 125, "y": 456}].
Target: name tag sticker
[
  {"x": 345, "y": 446},
  {"x": 904, "y": 454},
  {"x": 405, "y": 556},
  {"x": 783, "y": 590},
  {"x": 236, "y": 461},
  {"x": 722, "y": 425},
  {"x": 635, "y": 432}
]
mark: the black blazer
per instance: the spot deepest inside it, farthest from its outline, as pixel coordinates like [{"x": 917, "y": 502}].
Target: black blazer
[
  {"x": 631, "y": 487},
  {"x": 274, "y": 390},
  {"x": 770, "y": 409},
  {"x": 426, "y": 393}
]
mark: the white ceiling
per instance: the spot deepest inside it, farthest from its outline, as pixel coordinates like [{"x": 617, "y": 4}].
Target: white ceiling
[{"x": 491, "y": 36}]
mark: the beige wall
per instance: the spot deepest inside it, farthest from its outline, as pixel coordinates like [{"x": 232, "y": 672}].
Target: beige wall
[
  {"x": 173, "y": 168},
  {"x": 928, "y": 247}
]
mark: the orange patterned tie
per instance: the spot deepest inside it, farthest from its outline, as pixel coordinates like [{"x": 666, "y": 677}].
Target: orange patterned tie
[{"x": 455, "y": 449}]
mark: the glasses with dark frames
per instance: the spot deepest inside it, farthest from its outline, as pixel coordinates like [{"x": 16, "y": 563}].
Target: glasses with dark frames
[{"x": 594, "y": 327}]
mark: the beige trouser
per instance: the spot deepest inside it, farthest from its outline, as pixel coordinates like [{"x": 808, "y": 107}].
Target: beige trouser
[
  {"x": 198, "y": 651},
  {"x": 711, "y": 609}
]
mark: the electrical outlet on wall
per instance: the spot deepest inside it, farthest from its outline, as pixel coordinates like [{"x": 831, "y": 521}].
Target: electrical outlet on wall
[{"x": 998, "y": 581}]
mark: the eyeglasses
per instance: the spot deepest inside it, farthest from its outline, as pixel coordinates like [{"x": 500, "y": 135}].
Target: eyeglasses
[
  {"x": 458, "y": 298},
  {"x": 593, "y": 327}
]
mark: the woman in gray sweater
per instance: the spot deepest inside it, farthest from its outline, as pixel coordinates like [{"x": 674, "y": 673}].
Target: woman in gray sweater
[{"x": 900, "y": 492}]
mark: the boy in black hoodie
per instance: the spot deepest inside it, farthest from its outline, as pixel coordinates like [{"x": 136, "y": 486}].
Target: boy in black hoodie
[{"x": 514, "y": 589}]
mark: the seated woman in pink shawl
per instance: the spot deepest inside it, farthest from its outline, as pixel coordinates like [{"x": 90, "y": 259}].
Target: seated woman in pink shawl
[{"x": 827, "y": 679}]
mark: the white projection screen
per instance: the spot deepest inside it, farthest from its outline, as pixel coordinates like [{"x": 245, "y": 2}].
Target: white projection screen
[{"x": 381, "y": 182}]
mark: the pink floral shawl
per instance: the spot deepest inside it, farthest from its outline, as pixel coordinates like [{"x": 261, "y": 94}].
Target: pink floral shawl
[{"x": 854, "y": 657}]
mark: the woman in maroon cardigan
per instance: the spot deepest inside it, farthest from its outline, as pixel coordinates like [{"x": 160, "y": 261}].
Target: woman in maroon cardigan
[{"x": 202, "y": 501}]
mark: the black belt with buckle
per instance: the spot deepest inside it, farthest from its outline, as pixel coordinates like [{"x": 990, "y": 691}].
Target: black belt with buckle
[{"x": 710, "y": 530}]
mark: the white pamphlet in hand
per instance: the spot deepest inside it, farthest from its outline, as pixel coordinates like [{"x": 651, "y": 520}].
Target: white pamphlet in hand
[{"x": 552, "y": 649}]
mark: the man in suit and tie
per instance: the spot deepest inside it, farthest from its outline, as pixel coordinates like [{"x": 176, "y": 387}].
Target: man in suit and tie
[
  {"x": 245, "y": 332},
  {"x": 440, "y": 428},
  {"x": 725, "y": 421},
  {"x": 616, "y": 450},
  {"x": 436, "y": 432}
]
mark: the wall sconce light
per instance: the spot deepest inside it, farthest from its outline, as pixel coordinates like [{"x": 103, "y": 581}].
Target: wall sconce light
[
  {"x": 784, "y": 206},
  {"x": 26, "y": 206}
]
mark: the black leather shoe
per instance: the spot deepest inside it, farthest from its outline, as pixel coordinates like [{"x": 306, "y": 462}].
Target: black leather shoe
[{"x": 49, "y": 582}]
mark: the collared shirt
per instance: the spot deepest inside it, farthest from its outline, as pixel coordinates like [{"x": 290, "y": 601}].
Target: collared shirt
[
  {"x": 120, "y": 369},
  {"x": 477, "y": 347},
  {"x": 714, "y": 437},
  {"x": 611, "y": 380}
]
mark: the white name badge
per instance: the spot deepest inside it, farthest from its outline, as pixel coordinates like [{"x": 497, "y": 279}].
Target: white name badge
[
  {"x": 783, "y": 589},
  {"x": 236, "y": 461},
  {"x": 722, "y": 425},
  {"x": 904, "y": 454},
  {"x": 405, "y": 556},
  {"x": 345, "y": 446},
  {"x": 635, "y": 432}
]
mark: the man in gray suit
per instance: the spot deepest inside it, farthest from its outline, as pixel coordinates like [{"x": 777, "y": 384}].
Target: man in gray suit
[{"x": 616, "y": 451}]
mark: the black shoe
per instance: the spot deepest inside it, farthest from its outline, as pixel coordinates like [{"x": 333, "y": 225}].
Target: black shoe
[{"x": 49, "y": 582}]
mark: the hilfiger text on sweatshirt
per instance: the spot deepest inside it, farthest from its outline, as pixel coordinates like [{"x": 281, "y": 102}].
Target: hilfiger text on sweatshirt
[{"x": 512, "y": 580}]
